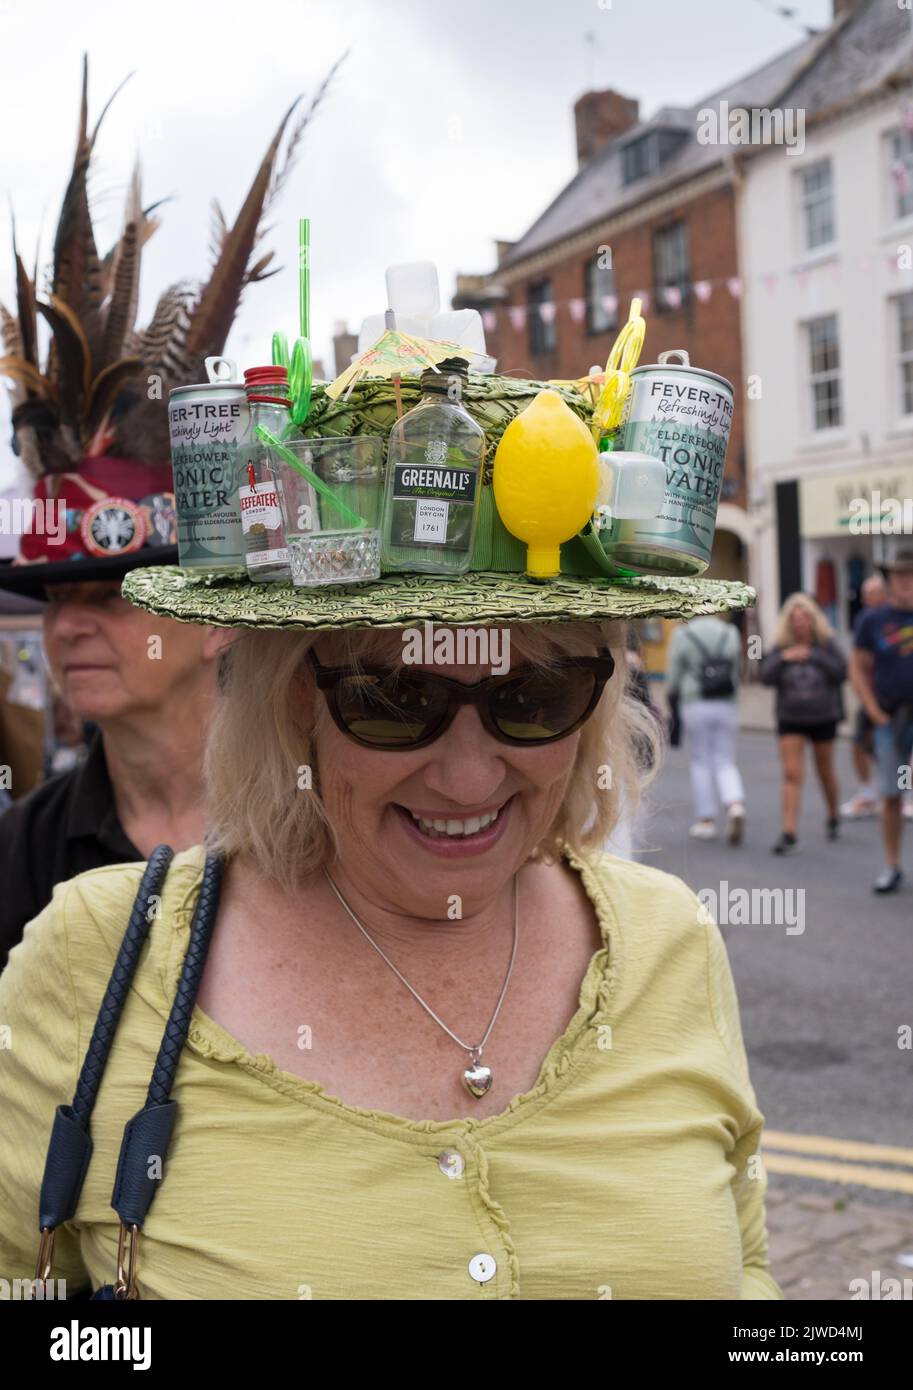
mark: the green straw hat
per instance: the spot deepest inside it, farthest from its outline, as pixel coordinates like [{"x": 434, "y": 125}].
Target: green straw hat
[{"x": 494, "y": 590}]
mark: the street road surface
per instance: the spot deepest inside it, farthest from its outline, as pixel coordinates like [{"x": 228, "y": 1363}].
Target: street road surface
[{"x": 823, "y": 1006}]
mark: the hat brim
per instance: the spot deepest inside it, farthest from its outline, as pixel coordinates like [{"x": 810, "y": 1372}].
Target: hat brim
[
  {"x": 32, "y": 580},
  {"x": 229, "y": 599}
]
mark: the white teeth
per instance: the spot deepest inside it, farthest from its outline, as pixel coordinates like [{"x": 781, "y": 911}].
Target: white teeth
[{"x": 457, "y": 828}]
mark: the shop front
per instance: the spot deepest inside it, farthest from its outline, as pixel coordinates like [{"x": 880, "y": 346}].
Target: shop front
[{"x": 849, "y": 522}]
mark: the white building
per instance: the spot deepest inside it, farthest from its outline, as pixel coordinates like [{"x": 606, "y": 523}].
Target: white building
[{"x": 826, "y": 251}]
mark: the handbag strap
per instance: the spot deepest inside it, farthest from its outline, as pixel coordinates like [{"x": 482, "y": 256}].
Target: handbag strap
[
  {"x": 148, "y": 1133},
  {"x": 70, "y": 1147}
]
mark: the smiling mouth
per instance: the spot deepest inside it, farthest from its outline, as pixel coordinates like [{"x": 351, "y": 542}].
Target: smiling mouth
[{"x": 454, "y": 827}]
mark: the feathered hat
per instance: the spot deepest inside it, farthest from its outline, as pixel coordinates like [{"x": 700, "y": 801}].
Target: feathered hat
[{"x": 91, "y": 425}]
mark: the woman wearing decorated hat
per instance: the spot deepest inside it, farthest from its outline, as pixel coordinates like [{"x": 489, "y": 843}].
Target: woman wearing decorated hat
[
  {"x": 90, "y": 429},
  {"x": 399, "y": 1029},
  {"x": 442, "y": 1046}
]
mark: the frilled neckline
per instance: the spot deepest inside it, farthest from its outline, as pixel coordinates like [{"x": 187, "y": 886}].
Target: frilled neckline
[{"x": 209, "y": 1039}]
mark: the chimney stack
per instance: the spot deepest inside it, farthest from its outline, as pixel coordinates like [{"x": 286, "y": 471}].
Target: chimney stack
[{"x": 599, "y": 118}]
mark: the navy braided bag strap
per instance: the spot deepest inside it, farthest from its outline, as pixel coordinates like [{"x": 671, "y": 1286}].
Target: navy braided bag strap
[
  {"x": 70, "y": 1147},
  {"x": 147, "y": 1134},
  {"x": 141, "y": 1162}
]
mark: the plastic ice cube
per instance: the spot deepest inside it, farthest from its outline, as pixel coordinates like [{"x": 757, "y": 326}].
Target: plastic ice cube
[{"x": 632, "y": 485}]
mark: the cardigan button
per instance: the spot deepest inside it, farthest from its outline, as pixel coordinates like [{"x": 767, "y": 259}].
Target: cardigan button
[
  {"x": 482, "y": 1268},
  {"x": 451, "y": 1163}
]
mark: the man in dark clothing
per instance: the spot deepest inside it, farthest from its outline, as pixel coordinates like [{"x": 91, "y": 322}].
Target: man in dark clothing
[
  {"x": 865, "y": 802},
  {"x": 882, "y": 675}
]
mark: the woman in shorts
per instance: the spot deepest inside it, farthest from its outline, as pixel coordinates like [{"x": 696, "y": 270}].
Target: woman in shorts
[{"x": 808, "y": 669}]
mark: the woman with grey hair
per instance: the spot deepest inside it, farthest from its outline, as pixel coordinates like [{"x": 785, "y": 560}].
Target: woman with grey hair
[{"x": 442, "y": 1046}]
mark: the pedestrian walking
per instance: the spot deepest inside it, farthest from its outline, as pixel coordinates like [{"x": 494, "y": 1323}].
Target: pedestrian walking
[
  {"x": 703, "y": 677},
  {"x": 807, "y": 668},
  {"x": 865, "y": 800},
  {"x": 882, "y": 676}
]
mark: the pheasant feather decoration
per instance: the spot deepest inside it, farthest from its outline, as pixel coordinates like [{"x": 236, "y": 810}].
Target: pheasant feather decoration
[{"x": 92, "y": 389}]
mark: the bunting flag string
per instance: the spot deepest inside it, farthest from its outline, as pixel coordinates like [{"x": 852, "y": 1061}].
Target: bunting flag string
[
  {"x": 673, "y": 296},
  {"x": 898, "y": 260}
]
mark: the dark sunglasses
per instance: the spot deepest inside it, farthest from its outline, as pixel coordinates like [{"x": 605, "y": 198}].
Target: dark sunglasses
[{"x": 408, "y": 708}]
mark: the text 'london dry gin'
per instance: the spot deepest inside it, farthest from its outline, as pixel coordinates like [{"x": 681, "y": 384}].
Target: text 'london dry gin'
[
  {"x": 681, "y": 415},
  {"x": 207, "y": 423}
]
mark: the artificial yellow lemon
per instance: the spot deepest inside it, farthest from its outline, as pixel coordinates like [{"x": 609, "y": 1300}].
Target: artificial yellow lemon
[{"x": 546, "y": 476}]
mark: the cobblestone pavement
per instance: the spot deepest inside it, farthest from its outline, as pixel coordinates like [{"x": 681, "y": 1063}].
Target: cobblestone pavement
[{"x": 820, "y": 1244}]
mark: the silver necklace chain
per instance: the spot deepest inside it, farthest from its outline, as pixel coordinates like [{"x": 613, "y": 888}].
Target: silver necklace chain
[{"x": 475, "y": 1052}]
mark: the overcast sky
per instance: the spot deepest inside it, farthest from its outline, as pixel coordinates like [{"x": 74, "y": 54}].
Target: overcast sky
[{"x": 448, "y": 126}]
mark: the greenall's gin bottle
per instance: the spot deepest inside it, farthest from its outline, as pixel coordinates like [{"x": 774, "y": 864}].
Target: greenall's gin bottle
[
  {"x": 265, "y": 553},
  {"x": 433, "y": 481}
]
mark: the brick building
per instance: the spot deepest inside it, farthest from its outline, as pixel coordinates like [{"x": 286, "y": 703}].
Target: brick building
[
  {"x": 827, "y": 236},
  {"x": 651, "y": 211}
]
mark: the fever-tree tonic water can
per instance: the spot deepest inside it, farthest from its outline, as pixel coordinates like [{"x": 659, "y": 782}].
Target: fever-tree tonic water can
[
  {"x": 681, "y": 415},
  {"x": 207, "y": 423}
]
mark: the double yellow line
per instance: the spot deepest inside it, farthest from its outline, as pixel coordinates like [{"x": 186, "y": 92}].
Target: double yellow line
[{"x": 789, "y": 1148}]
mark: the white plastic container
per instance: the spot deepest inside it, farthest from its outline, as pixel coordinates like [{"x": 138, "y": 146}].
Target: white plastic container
[{"x": 412, "y": 289}]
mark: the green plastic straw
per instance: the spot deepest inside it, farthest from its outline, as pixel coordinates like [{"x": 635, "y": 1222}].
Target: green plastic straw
[
  {"x": 304, "y": 277},
  {"x": 280, "y": 350},
  {"x": 301, "y": 371},
  {"x": 301, "y": 467},
  {"x": 300, "y": 379}
]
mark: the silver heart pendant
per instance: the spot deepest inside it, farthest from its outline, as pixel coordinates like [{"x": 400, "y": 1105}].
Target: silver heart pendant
[{"x": 477, "y": 1079}]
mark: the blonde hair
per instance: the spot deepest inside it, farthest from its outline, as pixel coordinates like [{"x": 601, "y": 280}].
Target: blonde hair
[
  {"x": 261, "y": 742},
  {"x": 784, "y": 635}
]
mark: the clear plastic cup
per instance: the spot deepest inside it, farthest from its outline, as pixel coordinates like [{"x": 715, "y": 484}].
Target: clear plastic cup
[{"x": 333, "y": 534}]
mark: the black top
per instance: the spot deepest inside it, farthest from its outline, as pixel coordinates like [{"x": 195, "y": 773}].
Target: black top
[
  {"x": 810, "y": 691},
  {"x": 67, "y": 825}
]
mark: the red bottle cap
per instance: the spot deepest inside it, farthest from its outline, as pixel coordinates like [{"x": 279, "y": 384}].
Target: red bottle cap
[{"x": 263, "y": 376}]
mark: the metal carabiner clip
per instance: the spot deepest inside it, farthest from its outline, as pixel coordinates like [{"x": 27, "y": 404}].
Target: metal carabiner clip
[
  {"x": 44, "y": 1262},
  {"x": 127, "y": 1245}
]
